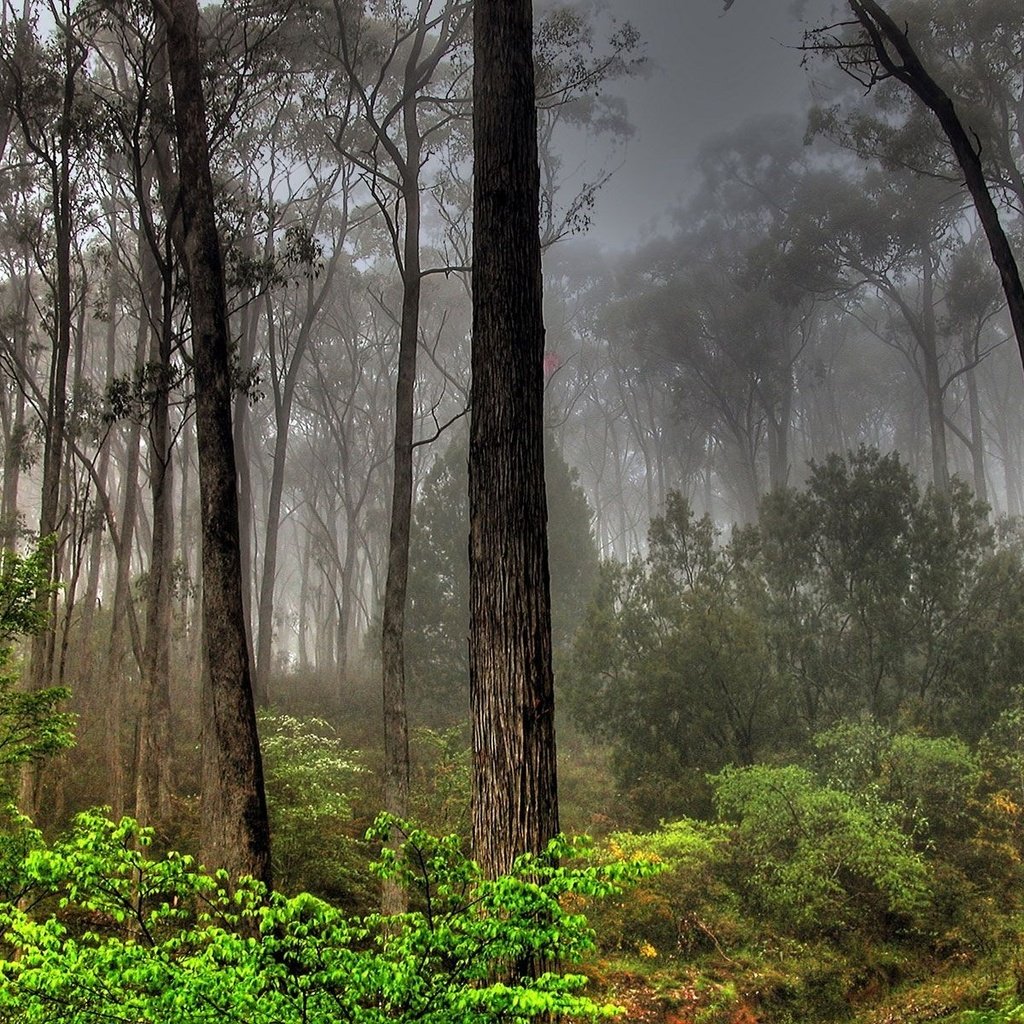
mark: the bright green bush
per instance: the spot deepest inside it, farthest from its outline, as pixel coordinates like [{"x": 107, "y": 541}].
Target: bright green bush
[
  {"x": 31, "y": 727},
  {"x": 159, "y": 941},
  {"x": 312, "y": 779},
  {"x": 682, "y": 908},
  {"x": 817, "y": 860}
]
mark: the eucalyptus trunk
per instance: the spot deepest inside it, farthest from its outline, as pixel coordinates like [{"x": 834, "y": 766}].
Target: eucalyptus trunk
[
  {"x": 234, "y": 831},
  {"x": 515, "y": 806}
]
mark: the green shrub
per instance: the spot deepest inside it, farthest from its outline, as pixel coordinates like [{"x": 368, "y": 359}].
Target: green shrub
[
  {"x": 311, "y": 781},
  {"x": 682, "y": 908},
  {"x": 31, "y": 727},
  {"x": 158, "y": 941},
  {"x": 818, "y": 860}
]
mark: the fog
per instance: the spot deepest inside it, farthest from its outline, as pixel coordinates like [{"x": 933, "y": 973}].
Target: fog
[
  {"x": 784, "y": 425},
  {"x": 707, "y": 72}
]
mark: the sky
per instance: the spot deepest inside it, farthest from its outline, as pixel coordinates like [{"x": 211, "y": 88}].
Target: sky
[{"x": 708, "y": 72}]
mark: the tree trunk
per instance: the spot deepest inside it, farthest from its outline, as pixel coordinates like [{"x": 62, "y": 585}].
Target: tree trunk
[
  {"x": 977, "y": 436},
  {"x": 16, "y": 434},
  {"x": 246, "y": 533},
  {"x": 153, "y": 753},
  {"x": 117, "y": 656},
  {"x": 56, "y": 409},
  {"x": 928, "y": 343},
  {"x": 515, "y": 806},
  {"x": 234, "y": 832}
]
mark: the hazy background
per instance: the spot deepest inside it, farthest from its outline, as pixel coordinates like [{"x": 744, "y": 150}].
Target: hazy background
[{"x": 707, "y": 72}]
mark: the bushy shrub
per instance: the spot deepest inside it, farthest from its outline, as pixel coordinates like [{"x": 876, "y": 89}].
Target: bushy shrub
[
  {"x": 817, "y": 860},
  {"x": 159, "y": 941},
  {"x": 31, "y": 727},
  {"x": 311, "y": 781},
  {"x": 682, "y": 908}
]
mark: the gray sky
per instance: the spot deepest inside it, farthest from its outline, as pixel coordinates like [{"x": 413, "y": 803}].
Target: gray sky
[{"x": 708, "y": 74}]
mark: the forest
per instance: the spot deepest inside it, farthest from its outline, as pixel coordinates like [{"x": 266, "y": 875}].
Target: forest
[{"x": 346, "y": 463}]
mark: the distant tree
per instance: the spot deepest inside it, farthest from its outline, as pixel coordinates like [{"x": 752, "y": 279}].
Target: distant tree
[
  {"x": 235, "y": 833},
  {"x": 515, "y": 802},
  {"x": 404, "y": 119},
  {"x": 438, "y": 621},
  {"x": 883, "y": 49},
  {"x": 859, "y": 596},
  {"x": 871, "y": 586},
  {"x": 46, "y": 104},
  {"x": 672, "y": 666}
]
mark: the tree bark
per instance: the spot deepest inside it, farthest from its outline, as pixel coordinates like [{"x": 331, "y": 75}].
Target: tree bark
[
  {"x": 396, "y": 724},
  {"x": 234, "y": 832},
  {"x": 515, "y": 806}
]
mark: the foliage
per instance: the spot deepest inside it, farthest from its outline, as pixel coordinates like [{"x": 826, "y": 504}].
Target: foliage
[
  {"x": 871, "y": 585},
  {"x": 31, "y": 727},
  {"x": 859, "y": 596},
  {"x": 682, "y": 908},
  {"x": 311, "y": 779},
  {"x": 671, "y": 665},
  {"x": 934, "y": 781},
  {"x": 158, "y": 940},
  {"x": 441, "y": 779},
  {"x": 816, "y": 859}
]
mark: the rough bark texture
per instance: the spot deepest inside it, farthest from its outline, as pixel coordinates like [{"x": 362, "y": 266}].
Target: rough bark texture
[
  {"x": 897, "y": 56},
  {"x": 515, "y": 805},
  {"x": 234, "y": 831}
]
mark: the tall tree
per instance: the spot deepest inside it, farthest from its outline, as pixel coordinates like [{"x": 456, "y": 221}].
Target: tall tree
[
  {"x": 234, "y": 830},
  {"x": 884, "y": 50},
  {"x": 400, "y": 130},
  {"x": 515, "y": 805}
]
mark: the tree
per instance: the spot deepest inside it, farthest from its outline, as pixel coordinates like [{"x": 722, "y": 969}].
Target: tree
[
  {"x": 44, "y": 96},
  {"x": 672, "y": 666},
  {"x": 859, "y": 596},
  {"x": 235, "y": 832},
  {"x": 515, "y": 803},
  {"x": 883, "y": 51},
  {"x": 31, "y": 727},
  {"x": 419, "y": 44}
]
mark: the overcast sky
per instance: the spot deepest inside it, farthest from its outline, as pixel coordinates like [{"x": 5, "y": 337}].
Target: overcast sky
[{"x": 708, "y": 73}]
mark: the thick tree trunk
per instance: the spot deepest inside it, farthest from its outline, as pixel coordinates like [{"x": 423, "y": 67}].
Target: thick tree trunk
[
  {"x": 234, "y": 830},
  {"x": 515, "y": 807}
]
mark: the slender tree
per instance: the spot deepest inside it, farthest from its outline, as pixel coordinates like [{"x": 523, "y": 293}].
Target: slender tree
[
  {"x": 886, "y": 51},
  {"x": 234, "y": 830},
  {"x": 515, "y": 807}
]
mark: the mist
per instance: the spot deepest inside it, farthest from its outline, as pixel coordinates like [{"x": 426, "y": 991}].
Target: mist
[{"x": 782, "y": 423}]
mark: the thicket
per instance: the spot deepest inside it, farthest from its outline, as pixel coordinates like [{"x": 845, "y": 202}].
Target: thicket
[
  {"x": 815, "y": 789},
  {"x": 96, "y": 926},
  {"x": 859, "y": 597}
]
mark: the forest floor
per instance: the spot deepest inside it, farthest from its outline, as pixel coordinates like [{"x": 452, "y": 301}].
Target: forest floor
[{"x": 675, "y": 993}]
